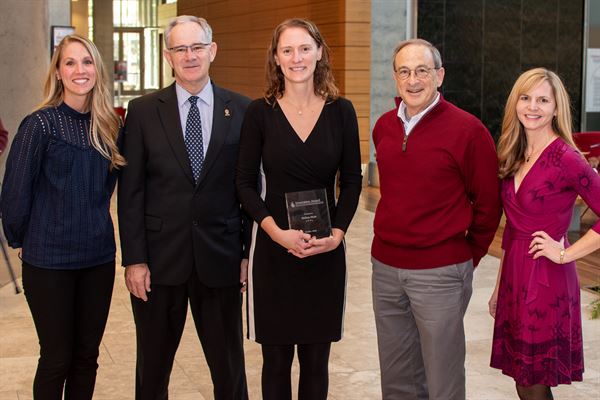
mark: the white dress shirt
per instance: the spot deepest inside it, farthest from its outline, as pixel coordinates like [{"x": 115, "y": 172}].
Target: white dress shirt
[{"x": 410, "y": 122}]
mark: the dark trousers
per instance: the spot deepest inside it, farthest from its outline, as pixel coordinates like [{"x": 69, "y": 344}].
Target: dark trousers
[
  {"x": 69, "y": 309},
  {"x": 277, "y": 368},
  {"x": 159, "y": 324}
]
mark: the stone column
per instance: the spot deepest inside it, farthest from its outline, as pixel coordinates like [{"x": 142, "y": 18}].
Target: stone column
[
  {"x": 103, "y": 34},
  {"x": 25, "y": 56},
  {"x": 388, "y": 27}
]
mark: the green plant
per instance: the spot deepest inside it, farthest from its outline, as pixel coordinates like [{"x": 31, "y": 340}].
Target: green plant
[{"x": 595, "y": 305}]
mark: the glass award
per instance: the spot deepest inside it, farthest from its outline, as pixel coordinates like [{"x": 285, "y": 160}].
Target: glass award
[{"x": 308, "y": 211}]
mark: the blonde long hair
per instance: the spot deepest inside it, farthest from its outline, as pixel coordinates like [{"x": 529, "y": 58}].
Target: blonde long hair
[
  {"x": 324, "y": 81},
  {"x": 512, "y": 144},
  {"x": 105, "y": 123}
]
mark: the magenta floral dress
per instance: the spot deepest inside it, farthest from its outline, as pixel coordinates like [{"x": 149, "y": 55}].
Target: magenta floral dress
[{"x": 537, "y": 330}]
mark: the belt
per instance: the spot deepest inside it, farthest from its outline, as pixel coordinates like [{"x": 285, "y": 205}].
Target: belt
[{"x": 539, "y": 274}]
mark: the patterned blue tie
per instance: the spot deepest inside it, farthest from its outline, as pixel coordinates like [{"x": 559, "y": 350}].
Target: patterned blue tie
[{"x": 193, "y": 138}]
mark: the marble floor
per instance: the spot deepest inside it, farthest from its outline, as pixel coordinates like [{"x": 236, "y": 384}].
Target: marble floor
[{"x": 354, "y": 366}]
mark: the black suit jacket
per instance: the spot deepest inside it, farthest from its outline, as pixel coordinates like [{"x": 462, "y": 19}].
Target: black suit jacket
[{"x": 167, "y": 221}]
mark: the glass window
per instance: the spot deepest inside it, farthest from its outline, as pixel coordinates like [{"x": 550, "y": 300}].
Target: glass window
[
  {"x": 591, "y": 98},
  {"x": 136, "y": 47},
  {"x": 135, "y": 13}
]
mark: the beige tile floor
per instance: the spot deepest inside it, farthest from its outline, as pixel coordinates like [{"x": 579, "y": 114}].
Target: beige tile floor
[{"x": 353, "y": 367}]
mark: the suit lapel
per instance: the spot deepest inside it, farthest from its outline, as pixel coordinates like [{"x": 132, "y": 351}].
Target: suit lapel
[
  {"x": 168, "y": 111},
  {"x": 220, "y": 129}
]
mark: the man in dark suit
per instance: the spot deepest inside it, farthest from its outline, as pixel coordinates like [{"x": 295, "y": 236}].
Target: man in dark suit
[{"x": 180, "y": 221}]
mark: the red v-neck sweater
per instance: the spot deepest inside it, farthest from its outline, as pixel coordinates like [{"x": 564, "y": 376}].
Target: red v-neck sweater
[{"x": 440, "y": 201}]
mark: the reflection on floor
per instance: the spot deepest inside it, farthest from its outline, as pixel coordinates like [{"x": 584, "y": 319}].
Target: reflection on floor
[{"x": 354, "y": 366}]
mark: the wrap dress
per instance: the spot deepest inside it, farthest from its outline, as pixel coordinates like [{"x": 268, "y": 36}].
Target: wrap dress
[{"x": 537, "y": 329}]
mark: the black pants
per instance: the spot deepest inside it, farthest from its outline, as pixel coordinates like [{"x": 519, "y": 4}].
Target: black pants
[
  {"x": 277, "y": 368},
  {"x": 159, "y": 324},
  {"x": 69, "y": 309}
]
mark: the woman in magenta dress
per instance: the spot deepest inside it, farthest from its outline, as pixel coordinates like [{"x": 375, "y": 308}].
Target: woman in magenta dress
[{"x": 536, "y": 304}]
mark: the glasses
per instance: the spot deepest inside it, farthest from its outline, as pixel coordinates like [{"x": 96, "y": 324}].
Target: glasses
[
  {"x": 195, "y": 48},
  {"x": 420, "y": 72}
]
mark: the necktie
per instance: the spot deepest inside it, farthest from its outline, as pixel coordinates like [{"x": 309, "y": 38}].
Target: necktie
[{"x": 193, "y": 138}]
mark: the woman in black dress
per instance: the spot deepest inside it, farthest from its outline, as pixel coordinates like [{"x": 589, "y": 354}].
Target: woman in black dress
[{"x": 297, "y": 138}]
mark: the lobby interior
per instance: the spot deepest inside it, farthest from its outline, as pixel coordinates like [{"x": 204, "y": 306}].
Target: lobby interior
[{"x": 359, "y": 33}]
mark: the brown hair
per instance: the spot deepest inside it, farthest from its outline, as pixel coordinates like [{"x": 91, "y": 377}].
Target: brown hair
[
  {"x": 512, "y": 144},
  {"x": 105, "y": 123},
  {"x": 323, "y": 77}
]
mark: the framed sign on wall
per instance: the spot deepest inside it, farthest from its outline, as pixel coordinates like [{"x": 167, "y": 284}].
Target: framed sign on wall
[{"x": 57, "y": 34}]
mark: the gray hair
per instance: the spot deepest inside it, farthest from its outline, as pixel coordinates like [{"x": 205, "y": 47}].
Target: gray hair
[
  {"x": 437, "y": 58},
  {"x": 187, "y": 18}
]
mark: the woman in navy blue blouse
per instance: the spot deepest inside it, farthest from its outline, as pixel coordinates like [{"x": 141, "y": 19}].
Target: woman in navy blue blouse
[{"x": 60, "y": 175}]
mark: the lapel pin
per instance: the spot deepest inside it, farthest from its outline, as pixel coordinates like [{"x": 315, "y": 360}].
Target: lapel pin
[{"x": 227, "y": 112}]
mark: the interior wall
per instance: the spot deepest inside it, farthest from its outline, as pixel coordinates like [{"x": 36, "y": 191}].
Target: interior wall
[
  {"x": 592, "y": 119},
  {"x": 165, "y": 13},
  {"x": 388, "y": 27},
  {"x": 486, "y": 44},
  {"x": 243, "y": 29},
  {"x": 79, "y": 17},
  {"x": 356, "y": 68},
  {"x": 25, "y": 56},
  {"x": 103, "y": 33}
]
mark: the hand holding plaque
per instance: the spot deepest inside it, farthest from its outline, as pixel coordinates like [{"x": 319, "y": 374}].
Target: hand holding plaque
[{"x": 308, "y": 211}]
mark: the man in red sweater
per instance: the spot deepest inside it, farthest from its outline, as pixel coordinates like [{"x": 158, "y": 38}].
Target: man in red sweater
[{"x": 439, "y": 210}]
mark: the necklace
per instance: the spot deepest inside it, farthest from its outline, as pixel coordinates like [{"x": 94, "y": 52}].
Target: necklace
[
  {"x": 537, "y": 152},
  {"x": 299, "y": 109}
]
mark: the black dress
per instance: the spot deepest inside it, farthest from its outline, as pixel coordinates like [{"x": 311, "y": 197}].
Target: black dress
[{"x": 293, "y": 300}]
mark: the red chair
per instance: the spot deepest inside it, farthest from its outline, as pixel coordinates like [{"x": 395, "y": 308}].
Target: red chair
[
  {"x": 120, "y": 111},
  {"x": 588, "y": 143}
]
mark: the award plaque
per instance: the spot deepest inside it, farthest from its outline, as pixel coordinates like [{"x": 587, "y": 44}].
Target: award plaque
[{"x": 308, "y": 211}]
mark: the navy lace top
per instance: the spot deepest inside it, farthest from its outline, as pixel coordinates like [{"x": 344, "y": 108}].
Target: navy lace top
[{"x": 56, "y": 193}]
